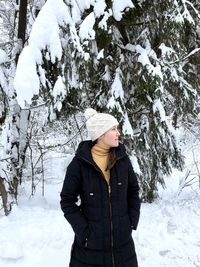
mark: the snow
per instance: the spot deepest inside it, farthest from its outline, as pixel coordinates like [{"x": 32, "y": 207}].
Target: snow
[
  {"x": 44, "y": 34},
  {"x": 135, "y": 164},
  {"x": 59, "y": 92},
  {"x": 127, "y": 128},
  {"x": 117, "y": 88},
  {"x": 3, "y": 56},
  {"x": 144, "y": 56},
  {"x": 157, "y": 106},
  {"x": 86, "y": 28},
  {"x": 103, "y": 22},
  {"x": 37, "y": 234},
  {"x": 116, "y": 92},
  {"x": 79, "y": 6},
  {"x": 119, "y": 6},
  {"x": 168, "y": 233},
  {"x": 99, "y": 8},
  {"x": 100, "y": 54},
  {"x": 185, "y": 12},
  {"x": 26, "y": 80},
  {"x": 166, "y": 50},
  {"x": 83, "y": 4},
  {"x": 45, "y": 30}
]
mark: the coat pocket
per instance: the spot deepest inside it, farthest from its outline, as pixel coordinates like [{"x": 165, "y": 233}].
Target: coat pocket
[
  {"x": 94, "y": 239},
  {"x": 125, "y": 229}
]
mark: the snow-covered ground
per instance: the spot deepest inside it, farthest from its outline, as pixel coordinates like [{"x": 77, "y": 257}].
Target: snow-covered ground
[{"x": 36, "y": 234}]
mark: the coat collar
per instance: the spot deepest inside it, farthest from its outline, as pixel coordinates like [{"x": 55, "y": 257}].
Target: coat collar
[{"x": 84, "y": 150}]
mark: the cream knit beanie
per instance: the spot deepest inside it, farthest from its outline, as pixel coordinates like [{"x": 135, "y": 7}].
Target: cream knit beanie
[{"x": 98, "y": 123}]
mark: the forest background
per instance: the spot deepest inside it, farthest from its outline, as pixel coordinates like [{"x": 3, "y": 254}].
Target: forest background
[{"x": 139, "y": 60}]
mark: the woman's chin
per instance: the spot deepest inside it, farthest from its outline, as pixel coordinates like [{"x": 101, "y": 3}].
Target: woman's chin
[{"x": 116, "y": 144}]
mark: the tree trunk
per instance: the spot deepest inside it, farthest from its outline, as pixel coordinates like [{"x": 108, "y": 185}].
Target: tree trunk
[
  {"x": 21, "y": 34},
  {"x": 22, "y": 21},
  {"x": 4, "y": 196}
]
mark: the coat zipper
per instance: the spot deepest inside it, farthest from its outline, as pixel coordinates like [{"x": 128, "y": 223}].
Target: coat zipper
[
  {"x": 111, "y": 226},
  {"x": 110, "y": 211}
]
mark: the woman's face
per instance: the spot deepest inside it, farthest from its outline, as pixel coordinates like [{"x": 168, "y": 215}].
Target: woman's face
[{"x": 111, "y": 137}]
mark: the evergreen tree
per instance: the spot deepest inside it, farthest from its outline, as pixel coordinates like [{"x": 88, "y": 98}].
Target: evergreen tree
[{"x": 141, "y": 68}]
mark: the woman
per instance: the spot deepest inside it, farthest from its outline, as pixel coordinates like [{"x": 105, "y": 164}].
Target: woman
[{"x": 102, "y": 176}]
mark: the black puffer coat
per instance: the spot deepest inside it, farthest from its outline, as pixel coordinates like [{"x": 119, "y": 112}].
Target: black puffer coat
[{"x": 104, "y": 216}]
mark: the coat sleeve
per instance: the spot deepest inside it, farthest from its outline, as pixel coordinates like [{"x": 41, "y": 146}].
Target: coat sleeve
[
  {"x": 69, "y": 197},
  {"x": 134, "y": 201}
]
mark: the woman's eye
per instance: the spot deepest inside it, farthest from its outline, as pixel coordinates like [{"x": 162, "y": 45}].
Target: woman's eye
[{"x": 115, "y": 129}]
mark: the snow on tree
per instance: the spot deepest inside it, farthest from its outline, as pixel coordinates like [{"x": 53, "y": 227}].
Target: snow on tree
[
  {"x": 13, "y": 120},
  {"x": 137, "y": 59}
]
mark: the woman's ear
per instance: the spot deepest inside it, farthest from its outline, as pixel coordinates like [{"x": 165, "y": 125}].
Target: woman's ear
[{"x": 100, "y": 137}]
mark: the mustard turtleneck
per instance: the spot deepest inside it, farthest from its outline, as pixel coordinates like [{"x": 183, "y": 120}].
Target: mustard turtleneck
[{"x": 100, "y": 153}]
